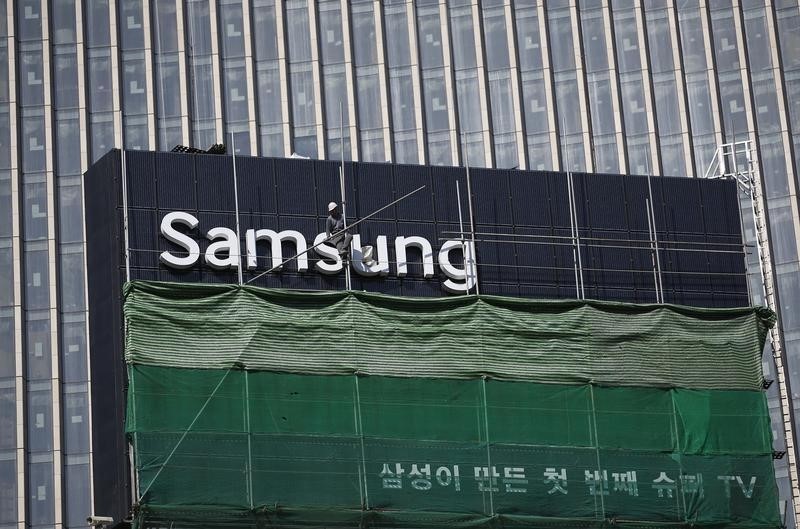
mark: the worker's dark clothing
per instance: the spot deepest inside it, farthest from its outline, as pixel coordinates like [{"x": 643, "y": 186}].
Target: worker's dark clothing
[{"x": 342, "y": 240}]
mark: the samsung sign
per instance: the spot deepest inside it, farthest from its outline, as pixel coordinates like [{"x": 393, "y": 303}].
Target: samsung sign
[{"x": 224, "y": 251}]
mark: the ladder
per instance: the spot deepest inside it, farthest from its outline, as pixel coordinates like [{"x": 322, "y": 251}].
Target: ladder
[{"x": 737, "y": 161}]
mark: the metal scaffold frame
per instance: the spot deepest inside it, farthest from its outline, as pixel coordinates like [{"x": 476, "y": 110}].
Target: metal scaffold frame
[{"x": 738, "y": 161}]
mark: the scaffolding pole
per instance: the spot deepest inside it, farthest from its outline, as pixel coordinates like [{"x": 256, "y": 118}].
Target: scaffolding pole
[{"x": 725, "y": 164}]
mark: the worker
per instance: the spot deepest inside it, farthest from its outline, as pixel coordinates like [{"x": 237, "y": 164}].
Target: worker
[{"x": 335, "y": 226}]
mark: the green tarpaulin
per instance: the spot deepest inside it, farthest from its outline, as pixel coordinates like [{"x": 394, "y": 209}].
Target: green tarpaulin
[
  {"x": 237, "y": 418},
  {"x": 335, "y": 333}
]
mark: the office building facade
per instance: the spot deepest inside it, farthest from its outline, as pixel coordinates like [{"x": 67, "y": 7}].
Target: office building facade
[{"x": 629, "y": 86}]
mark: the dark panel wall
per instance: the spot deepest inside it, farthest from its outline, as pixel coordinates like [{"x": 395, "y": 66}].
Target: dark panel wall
[{"x": 697, "y": 222}]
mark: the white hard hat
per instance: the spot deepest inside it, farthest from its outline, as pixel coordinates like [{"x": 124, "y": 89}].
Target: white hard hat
[{"x": 331, "y": 206}]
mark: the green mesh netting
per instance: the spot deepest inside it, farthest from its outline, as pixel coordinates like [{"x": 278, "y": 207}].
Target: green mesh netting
[
  {"x": 223, "y": 447},
  {"x": 334, "y": 333}
]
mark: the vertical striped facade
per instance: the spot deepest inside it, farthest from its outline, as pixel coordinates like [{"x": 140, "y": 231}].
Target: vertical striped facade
[{"x": 628, "y": 86}]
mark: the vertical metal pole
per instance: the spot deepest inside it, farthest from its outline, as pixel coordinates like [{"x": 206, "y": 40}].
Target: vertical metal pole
[
  {"x": 652, "y": 249},
  {"x": 468, "y": 269},
  {"x": 489, "y": 468},
  {"x": 348, "y": 284},
  {"x": 474, "y": 251},
  {"x": 652, "y": 213},
  {"x": 249, "y": 438},
  {"x": 572, "y": 234},
  {"x": 125, "y": 217},
  {"x": 236, "y": 200}
]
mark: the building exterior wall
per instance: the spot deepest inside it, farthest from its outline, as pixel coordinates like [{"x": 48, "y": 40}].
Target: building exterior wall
[{"x": 638, "y": 86}]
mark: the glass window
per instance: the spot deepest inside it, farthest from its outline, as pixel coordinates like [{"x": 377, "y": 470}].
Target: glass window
[
  {"x": 62, "y": 18},
  {"x": 235, "y": 92},
  {"x": 472, "y": 145},
  {"x": 136, "y": 133},
  {"x": 73, "y": 351},
  {"x": 535, "y": 103},
  {"x": 406, "y": 149},
  {"x": 134, "y": 95},
  {"x": 660, "y": 42},
  {"x": 72, "y": 291},
  {"x": 35, "y": 196},
  {"x": 733, "y": 112},
  {"x": 627, "y": 40},
  {"x": 572, "y": 151},
  {"x": 272, "y": 141},
  {"x": 5, "y": 138},
  {"x": 397, "y": 47},
  {"x": 269, "y": 93},
  {"x": 606, "y": 158},
  {"x": 633, "y": 106},
  {"x": 131, "y": 28},
  {"x": 369, "y": 98},
  {"x": 430, "y": 37},
  {"x": 302, "y": 95},
  {"x": 363, "y": 21},
  {"x": 38, "y": 349},
  {"x": 758, "y": 47},
  {"x": 331, "y": 37},
  {"x": 100, "y": 93},
  {"x": 403, "y": 106},
  {"x": 66, "y": 77},
  {"x": 68, "y": 160},
  {"x": 79, "y": 492},
  {"x": 789, "y": 34},
  {"x": 469, "y": 102},
  {"x": 336, "y": 97},
  {"x": 232, "y": 28},
  {"x": 439, "y": 150},
  {"x": 766, "y": 103},
  {"x": 784, "y": 241},
  {"x": 5, "y": 205},
  {"x": 102, "y": 128},
  {"x": 97, "y": 26},
  {"x": 539, "y": 154},
  {"x": 298, "y": 32},
  {"x": 199, "y": 27},
  {"x": 503, "y": 117},
  {"x": 7, "y": 291},
  {"x": 496, "y": 37},
  {"x": 41, "y": 505},
  {"x": 463, "y": 35},
  {"x": 666, "y": 102},
  {"x": 639, "y": 156},
  {"x": 306, "y": 145},
  {"x": 700, "y": 108},
  {"x": 202, "y": 81},
  {"x": 265, "y": 32},
  {"x": 168, "y": 83},
  {"x": 594, "y": 41},
  {"x": 725, "y": 41},
  {"x": 40, "y": 418},
  {"x": 37, "y": 281},
  {"x": 76, "y": 419},
  {"x": 600, "y": 103},
  {"x": 561, "y": 48},
  {"x": 792, "y": 87},
  {"x": 33, "y": 155},
  {"x": 436, "y": 115},
  {"x": 569, "y": 113},
  {"x": 773, "y": 166},
  {"x": 530, "y": 55},
  {"x": 166, "y": 26},
  {"x": 29, "y": 19},
  {"x": 8, "y": 491},
  {"x": 3, "y": 72},
  {"x": 505, "y": 151},
  {"x": 372, "y": 149},
  {"x": 672, "y": 158},
  {"x": 693, "y": 45},
  {"x": 32, "y": 78},
  {"x": 8, "y": 417}
]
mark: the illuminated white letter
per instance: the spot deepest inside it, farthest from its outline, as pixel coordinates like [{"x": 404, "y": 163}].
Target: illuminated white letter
[
  {"x": 326, "y": 251},
  {"x": 381, "y": 267},
  {"x": 182, "y": 240},
  {"x": 466, "y": 277},
  {"x": 229, "y": 244},
  {"x": 275, "y": 240},
  {"x": 400, "y": 245}
]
